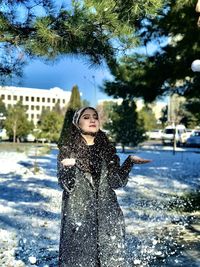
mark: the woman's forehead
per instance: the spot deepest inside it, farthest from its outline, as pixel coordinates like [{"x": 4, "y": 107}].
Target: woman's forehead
[{"x": 89, "y": 111}]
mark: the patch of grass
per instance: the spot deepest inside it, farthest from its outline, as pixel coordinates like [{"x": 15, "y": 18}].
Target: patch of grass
[
  {"x": 189, "y": 202},
  {"x": 24, "y": 147},
  {"x": 45, "y": 149}
]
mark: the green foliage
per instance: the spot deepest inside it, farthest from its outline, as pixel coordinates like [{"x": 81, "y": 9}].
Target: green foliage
[
  {"x": 96, "y": 29},
  {"x": 74, "y": 104},
  {"x": 50, "y": 125},
  {"x": 104, "y": 111},
  {"x": 164, "y": 116},
  {"x": 16, "y": 123},
  {"x": 75, "y": 99},
  {"x": 148, "y": 117},
  {"x": 192, "y": 110},
  {"x": 130, "y": 80},
  {"x": 168, "y": 69},
  {"x": 85, "y": 103},
  {"x": 2, "y": 107},
  {"x": 124, "y": 124},
  {"x": 189, "y": 202},
  {"x": 58, "y": 109},
  {"x": 3, "y": 113}
]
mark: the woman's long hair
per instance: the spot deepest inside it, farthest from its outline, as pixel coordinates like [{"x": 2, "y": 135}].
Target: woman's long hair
[{"x": 75, "y": 144}]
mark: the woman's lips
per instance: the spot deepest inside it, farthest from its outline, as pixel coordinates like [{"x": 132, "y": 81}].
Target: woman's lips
[{"x": 93, "y": 126}]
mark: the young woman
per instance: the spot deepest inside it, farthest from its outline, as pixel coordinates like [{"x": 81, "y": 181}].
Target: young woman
[{"x": 92, "y": 224}]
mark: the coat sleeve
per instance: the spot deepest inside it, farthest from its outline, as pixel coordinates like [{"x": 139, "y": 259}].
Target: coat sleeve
[
  {"x": 118, "y": 175},
  {"x": 66, "y": 175}
]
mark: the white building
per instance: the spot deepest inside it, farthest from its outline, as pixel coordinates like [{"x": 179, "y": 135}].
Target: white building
[{"x": 35, "y": 100}]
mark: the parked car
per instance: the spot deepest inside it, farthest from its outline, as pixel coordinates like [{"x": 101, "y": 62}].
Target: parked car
[
  {"x": 154, "y": 134},
  {"x": 179, "y": 131},
  {"x": 3, "y": 135},
  {"x": 30, "y": 138},
  {"x": 194, "y": 139},
  {"x": 189, "y": 132}
]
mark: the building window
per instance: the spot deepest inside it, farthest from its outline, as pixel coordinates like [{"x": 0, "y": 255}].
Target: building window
[
  {"x": 27, "y": 98},
  {"x": 48, "y": 100},
  {"x": 38, "y": 107},
  {"x": 38, "y": 99},
  {"x": 32, "y": 107},
  {"x": 15, "y": 97},
  {"x": 21, "y": 98},
  {"x": 32, "y": 116},
  {"x": 63, "y": 101},
  {"x": 43, "y": 99},
  {"x": 38, "y": 116},
  {"x": 58, "y": 101},
  {"x": 53, "y": 100},
  {"x": 2, "y": 97},
  {"x": 9, "y": 97},
  {"x": 32, "y": 98},
  {"x": 26, "y": 106}
]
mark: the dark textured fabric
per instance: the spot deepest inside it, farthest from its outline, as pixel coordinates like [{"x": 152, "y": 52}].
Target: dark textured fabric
[{"x": 92, "y": 224}]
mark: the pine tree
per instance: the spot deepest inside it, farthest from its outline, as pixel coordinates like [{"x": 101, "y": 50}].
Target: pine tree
[
  {"x": 168, "y": 69},
  {"x": 74, "y": 104},
  {"x": 148, "y": 117},
  {"x": 124, "y": 124},
  {"x": 83, "y": 28}
]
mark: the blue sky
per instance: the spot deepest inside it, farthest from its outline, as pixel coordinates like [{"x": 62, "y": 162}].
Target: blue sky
[
  {"x": 66, "y": 73},
  {"x": 70, "y": 71}
]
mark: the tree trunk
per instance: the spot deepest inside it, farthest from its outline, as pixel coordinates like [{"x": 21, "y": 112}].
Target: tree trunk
[
  {"x": 14, "y": 132},
  {"x": 174, "y": 142},
  {"x": 123, "y": 148},
  {"x": 14, "y": 136}
]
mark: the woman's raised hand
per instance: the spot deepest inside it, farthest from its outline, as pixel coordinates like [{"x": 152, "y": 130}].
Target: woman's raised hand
[
  {"x": 138, "y": 160},
  {"x": 68, "y": 162}
]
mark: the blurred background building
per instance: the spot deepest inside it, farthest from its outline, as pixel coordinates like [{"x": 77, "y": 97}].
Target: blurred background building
[{"x": 35, "y": 100}]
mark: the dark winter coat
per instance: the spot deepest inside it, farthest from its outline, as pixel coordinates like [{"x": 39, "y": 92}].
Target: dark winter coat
[{"x": 92, "y": 224}]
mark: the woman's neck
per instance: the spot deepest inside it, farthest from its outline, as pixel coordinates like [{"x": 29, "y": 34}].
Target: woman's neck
[{"x": 89, "y": 139}]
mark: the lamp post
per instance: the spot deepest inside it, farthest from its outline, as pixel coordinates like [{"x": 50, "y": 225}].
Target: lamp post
[{"x": 93, "y": 82}]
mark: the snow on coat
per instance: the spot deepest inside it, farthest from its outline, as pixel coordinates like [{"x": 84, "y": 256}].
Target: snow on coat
[{"x": 92, "y": 223}]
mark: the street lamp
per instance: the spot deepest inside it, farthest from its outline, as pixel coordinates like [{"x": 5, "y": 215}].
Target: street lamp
[
  {"x": 93, "y": 82},
  {"x": 195, "y": 66}
]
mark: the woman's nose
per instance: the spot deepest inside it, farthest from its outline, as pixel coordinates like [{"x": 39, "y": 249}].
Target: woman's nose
[{"x": 92, "y": 119}]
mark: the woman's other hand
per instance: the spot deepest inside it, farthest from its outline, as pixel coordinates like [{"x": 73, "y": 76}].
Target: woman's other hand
[
  {"x": 68, "y": 162},
  {"x": 138, "y": 160}
]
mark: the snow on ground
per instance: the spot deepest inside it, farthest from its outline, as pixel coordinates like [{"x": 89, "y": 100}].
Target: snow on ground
[{"x": 30, "y": 207}]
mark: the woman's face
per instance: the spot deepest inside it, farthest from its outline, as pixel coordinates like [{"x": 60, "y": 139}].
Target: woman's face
[{"x": 89, "y": 121}]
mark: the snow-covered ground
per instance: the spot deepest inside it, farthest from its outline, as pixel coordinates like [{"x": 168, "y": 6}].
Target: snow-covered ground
[{"x": 30, "y": 207}]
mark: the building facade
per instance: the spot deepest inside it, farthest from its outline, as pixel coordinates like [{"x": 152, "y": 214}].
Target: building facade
[{"x": 35, "y": 100}]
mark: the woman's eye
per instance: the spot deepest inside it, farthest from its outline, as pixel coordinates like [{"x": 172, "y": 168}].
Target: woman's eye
[{"x": 86, "y": 117}]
